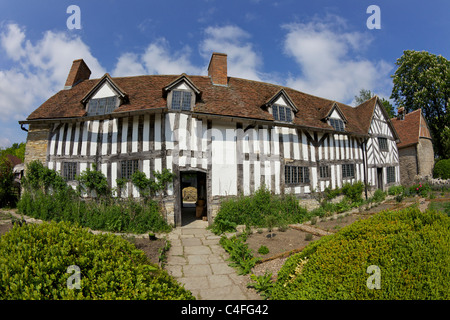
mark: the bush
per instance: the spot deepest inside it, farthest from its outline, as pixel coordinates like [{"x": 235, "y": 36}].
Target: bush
[
  {"x": 263, "y": 250},
  {"x": 379, "y": 196},
  {"x": 410, "y": 248},
  {"x": 262, "y": 209},
  {"x": 48, "y": 197},
  {"x": 115, "y": 215},
  {"x": 353, "y": 191},
  {"x": 442, "y": 169},
  {"x": 395, "y": 190},
  {"x": 34, "y": 260},
  {"x": 420, "y": 189}
]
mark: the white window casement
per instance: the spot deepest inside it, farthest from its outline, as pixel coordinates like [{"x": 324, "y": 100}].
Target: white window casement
[
  {"x": 348, "y": 170},
  {"x": 390, "y": 174},
  {"x": 281, "y": 107},
  {"x": 102, "y": 106},
  {"x": 69, "y": 170},
  {"x": 337, "y": 124},
  {"x": 128, "y": 167},
  {"x": 181, "y": 94},
  {"x": 382, "y": 142},
  {"x": 296, "y": 175},
  {"x": 104, "y": 98},
  {"x": 181, "y": 100},
  {"x": 281, "y": 113},
  {"x": 324, "y": 172}
]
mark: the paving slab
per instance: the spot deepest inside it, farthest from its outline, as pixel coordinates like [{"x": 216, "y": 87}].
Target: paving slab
[{"x": 197, "y": 260}]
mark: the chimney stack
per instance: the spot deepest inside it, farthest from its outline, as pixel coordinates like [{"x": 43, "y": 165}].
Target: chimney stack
[
  {"x": 217, "y": 69},
  {"x": 401, "y": 113},
  {"x": 78, "y": 73}
]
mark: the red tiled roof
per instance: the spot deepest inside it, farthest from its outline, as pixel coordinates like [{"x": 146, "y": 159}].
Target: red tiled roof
[
  {"x": 241, "y": 98},
  {"x": 411, "y": 128}
]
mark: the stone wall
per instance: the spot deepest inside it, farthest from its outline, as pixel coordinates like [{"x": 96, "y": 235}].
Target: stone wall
[
  {"x": 425, "y": 156},
  {"x": 431, "y": 181},
  {"x": 37, "y": 141},
  {"x": 408, "y": 165}
]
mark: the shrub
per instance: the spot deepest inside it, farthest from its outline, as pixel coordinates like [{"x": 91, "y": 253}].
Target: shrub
[
  {"x": 263, "y": 250},
  {"x": 410, "y": 248},
  {"x": 420, "y": 189},
  {"x": 379, "y": 196},
  {"x": 241, "y": 256},
  {"x": 442, "y": 169},
  {"x": 110, "y": 214},
  {"x": 48, "y": 197},
  {"x": 395, "y": 190},
  {"x": 262, "y": 209},
  {"x": 353, "y": 191},
  {"x": 34, "y": 260}
]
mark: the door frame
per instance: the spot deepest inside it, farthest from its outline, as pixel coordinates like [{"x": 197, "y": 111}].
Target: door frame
[{"x": 179, "y": 195}]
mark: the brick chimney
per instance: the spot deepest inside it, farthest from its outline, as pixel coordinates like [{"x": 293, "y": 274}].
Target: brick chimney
[
  {"x": 217, "y": 69},
  {"x": 78, "y": 73},
  {"x": 401, "y": 113}
]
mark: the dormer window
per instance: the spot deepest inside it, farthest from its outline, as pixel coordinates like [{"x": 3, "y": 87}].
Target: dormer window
[
  {"x": 181, "y": 100},
  {"x": 281, "y": 113},
  {"x": 337, "y": 124},
  {"x": 102, "y": 106}
]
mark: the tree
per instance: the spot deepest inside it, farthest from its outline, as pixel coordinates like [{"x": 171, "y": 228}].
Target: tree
[
  {"x": 365, "y": 95},
  {"x": 422, "y": 80},
  {"x": 17, "y": 149}
]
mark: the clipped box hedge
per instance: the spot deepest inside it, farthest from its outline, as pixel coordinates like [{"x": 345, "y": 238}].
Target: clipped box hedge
[
  {"x": 34, "y": 260},
  {"x": 411, "y": 249}
]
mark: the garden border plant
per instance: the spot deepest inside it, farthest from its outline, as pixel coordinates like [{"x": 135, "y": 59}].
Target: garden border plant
[{"x": 47, "y": 196}]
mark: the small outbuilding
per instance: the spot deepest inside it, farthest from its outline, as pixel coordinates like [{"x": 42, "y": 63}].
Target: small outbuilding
[{"x": 415, "y": 147}]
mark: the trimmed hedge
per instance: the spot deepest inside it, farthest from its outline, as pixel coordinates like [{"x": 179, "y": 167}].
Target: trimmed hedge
[
  {"x": 34, "y": 261},
  {"x": 411, "y": 249},
  {"x": 442, "y": 169}
]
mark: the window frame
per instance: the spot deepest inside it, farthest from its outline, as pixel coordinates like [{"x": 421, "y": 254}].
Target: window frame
[
  {"x": 69, "y": 170},
  {"x": 296, "y": 175},
  {"x": 128, "y": 167},
  {"x": 383, "y": 144},
  {"x": 183, "y": 98},
  {"x": 337, "y": 124},
  {"x": 324, "y": 172},
  {"x": 287, "y": 113},
  {"x": 348, "y": 171},
  {"x": 390, "y": 174},
  {"x": 108, "y": 106}
]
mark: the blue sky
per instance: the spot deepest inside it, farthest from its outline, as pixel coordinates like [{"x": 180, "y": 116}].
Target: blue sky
[{"x": 319, "y": 47}]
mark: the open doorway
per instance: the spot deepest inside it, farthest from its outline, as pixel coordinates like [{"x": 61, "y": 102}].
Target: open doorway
[
  {"x": 193, "y": 196},
  {"x": 380, "y": 178}
]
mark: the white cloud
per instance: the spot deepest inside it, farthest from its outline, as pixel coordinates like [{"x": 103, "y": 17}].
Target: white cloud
[
  {"x": 329, "y": 59},
  {"x": 40, "y": 69},
  {"x": 243, "y": 60},
  {"x": 158, "y": 58}
]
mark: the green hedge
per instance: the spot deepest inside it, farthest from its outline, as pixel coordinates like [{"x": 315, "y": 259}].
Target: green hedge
[
  {"x": 262, "y": 209},
  {"x": 410, "y": 248},
  {"x": 442, "y": 169},
  {"x": 34, "y": 261}
]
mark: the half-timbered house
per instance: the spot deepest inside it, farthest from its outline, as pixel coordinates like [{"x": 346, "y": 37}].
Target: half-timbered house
[{"x": 223, "y": 135}]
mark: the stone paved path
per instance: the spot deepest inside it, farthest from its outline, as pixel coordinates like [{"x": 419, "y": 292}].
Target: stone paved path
[{"x": 197, "y": 260}]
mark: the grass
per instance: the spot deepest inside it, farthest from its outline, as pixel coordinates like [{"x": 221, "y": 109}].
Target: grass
[{"x": 441, "y": 206}]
